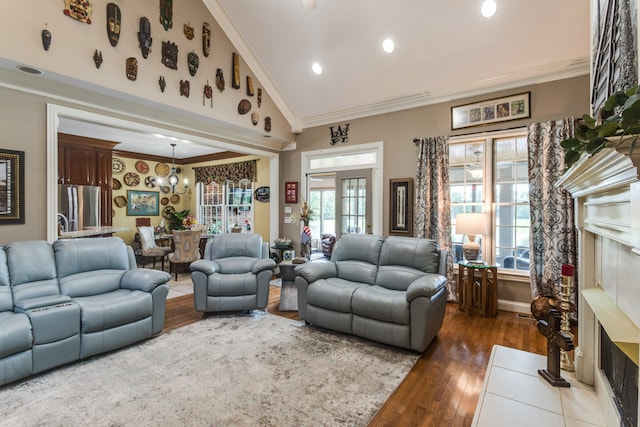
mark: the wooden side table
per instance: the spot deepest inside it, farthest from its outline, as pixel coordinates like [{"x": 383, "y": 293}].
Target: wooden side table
[{"x": 478, "y": 288}]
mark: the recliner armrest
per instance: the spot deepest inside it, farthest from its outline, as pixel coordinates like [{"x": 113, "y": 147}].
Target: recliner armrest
[
  {"x": 316, "y": 271},
  {"x": 425, "y": 286},
  {"x": 46, "y": 301},
  {"x": 262, "y": 265},
  {"x": 205, "y": 266},
  {"x": 143, "y": 279}
]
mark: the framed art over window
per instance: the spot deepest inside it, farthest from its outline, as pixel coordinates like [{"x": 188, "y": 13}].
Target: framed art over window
[
  {"x": 401, "y": 214},
  {"x": 491, "y": 111},
  {"x": 11, "y": 187},
  {"x": 143, "y": 203},
  {"x": 291, "y": 192}
]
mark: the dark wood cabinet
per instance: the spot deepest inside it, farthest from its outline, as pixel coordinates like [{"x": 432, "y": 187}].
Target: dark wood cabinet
[{"x": 87, "y": 161}]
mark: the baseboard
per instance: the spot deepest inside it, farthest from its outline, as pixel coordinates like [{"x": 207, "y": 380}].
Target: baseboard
[{"x": 514, "y": 306}]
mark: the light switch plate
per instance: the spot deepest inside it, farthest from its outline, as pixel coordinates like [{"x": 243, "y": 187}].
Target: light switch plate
[
  {"x": 287, "y": 220},
  {"x": 287, "y": 209}
]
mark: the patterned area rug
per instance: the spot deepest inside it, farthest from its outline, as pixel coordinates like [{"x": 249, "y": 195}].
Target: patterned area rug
[{"x": 256, "y": 369}]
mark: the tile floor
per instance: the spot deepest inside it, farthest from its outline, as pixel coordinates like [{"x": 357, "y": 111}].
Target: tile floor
[
  {"x": 513, "y": 394},
  {"x": 183, "y": 286}
]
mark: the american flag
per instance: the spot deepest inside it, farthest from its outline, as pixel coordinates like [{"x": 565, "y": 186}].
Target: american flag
[{"x": 306, "y": 234}]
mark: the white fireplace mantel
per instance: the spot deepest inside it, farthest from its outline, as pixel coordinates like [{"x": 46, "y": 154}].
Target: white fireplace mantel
[{"x": 606, "y": 190}]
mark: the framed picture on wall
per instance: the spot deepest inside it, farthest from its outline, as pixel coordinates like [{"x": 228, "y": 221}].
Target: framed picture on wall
[
  {"x": 143, "y": 203},
  {"x": 291, "y": 192},
  {"x": 11, "y": 187},
  {"x": 401, "y": 207},
  {"x": 491, "y": 111}
]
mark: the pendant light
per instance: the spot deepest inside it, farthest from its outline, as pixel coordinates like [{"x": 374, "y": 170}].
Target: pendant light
[{"x": 173, "y": 179}]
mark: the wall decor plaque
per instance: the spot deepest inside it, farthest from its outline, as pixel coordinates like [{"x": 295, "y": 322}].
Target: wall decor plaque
[
  {"x": 144, "y": 37},
  {"x": 162, "y": 169},
  {"x": 291, "y": 192},
  {"x": 132, "y": 179},
  {"x": 185, "y": 88},
  {"x": 170, "y": 55},
  {"x": 46, "y": 39},
  {"x": 132, "y": 69},
  {"x": 219, "y": 79},
  {"x": 78, "y": 9},
  {"x": 491, "y": 111},
  {"x": 143, "y": 203},
  {"x": 116, "y": 184},
  {"x": 235, "y": 71},
  {"x": 188, "y": 30},
  {"x": 259, "y": 97},
  {"x": 262, "y": 194},
  {"x": 249, "y": 86},
  {"x": 244, "y": 106},
  {"x": 166, "y": 14},
  {"x": 193, "y": 62},
  {"x": 206, "y": 39},
  {"x": 267, "y": 124},
  {"x": 401, "y": 207},
  {"x": 97, "y": 58},
  {"x": 142, "y": 167},
  {"x": 114, "y": 18}
]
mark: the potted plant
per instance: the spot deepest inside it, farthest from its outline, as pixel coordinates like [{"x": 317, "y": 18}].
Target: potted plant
[
  {"x": 619, "y": 123},
  {"x": 176, "y": 220}
]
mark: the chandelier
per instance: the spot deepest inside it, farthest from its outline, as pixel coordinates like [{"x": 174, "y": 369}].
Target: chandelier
[{"x": 173, "y": 179}]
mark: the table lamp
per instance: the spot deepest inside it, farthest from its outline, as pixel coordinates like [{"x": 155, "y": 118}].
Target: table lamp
[{"x": 471, "y": 224}]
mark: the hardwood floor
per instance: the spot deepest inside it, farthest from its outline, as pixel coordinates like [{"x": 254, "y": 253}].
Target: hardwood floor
[{"x": 443, "y": 387}]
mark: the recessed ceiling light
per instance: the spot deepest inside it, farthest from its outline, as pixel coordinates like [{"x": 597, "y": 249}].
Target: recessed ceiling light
[
  {"x": 488, "y": 8},
  {"x": 309, "y": 5},
  {"x": 317, "y": 68},
  {"x": 388, "y": 46},
  {"x": 29, "y": 70}
]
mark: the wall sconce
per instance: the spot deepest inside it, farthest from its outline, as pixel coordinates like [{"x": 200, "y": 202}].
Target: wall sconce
[{"x": 471, "y": 224}]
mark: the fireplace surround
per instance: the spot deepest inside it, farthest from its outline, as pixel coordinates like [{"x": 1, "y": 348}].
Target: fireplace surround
[{"x": 606, "y": 191}]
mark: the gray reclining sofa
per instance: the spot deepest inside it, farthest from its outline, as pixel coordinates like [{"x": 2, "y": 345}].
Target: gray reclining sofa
[
  {"x": 389, "y": 290},
  {"x": 71, "y": 300}
]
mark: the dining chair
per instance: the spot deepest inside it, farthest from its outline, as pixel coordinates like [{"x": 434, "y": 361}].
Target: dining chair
[
  {"x": 148, "y": 246},
  {"x": 186, "y": 248}
]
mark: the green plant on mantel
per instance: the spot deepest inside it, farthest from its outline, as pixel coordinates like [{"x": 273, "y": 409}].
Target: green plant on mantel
[{"x": 620, "y": 123}]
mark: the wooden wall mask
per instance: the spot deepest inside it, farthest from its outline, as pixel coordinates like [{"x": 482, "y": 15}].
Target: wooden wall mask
[
  {"x": 114, "y": 18},
  {"x": 78, "y": 9},
  {"x": 144, "y": 37}
]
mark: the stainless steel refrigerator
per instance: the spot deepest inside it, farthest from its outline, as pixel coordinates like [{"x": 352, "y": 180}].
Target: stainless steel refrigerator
[{"x": 79, "y": 206}]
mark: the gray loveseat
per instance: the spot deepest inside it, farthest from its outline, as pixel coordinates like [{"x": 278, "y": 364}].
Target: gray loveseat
[
  {"x": 71, "y": 300},
  {"x": 389, "y": 290}
]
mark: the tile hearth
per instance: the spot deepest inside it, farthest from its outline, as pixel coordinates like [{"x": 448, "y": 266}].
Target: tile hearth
[{"x": 513, "y": 394}]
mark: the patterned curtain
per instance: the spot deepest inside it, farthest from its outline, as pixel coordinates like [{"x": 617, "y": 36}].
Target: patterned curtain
[
  {"x": 553, "y": 234},
  {"x": 233, "y": 172},
  {"x": 432, "y": 211}
]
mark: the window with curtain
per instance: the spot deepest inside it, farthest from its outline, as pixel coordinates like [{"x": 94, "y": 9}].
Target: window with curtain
[{"x": 488, "y": 174}]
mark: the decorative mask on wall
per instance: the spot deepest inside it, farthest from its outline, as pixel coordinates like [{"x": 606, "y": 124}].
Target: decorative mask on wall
[
  {"x": 206, "y": 39},
  {"x": 207, "y": 94},
  {"x": 189, "y": 32},
  {"x": 244, "y": 106},
  {"x": 267, "y": 124},
  {"x": 78, "y": 9},
  {"x": 162, "y": 83},
  {"x": 166, "y": 14},
  {"x": 259, "y": 97},
  {"x": 46, "y": 39},
  {"x": 220, "y": 79},
  {"x": 114, "y": 18},
  {"x": 193, "y": 62},
  {"x": 97, "y": 58},
  {"x": 255, "y": 118},
  {"x": 132, "y": 69},
  {"x": 144, "y": 37},
  {"x": 170, "y": 55},
  {"x": 185, "y": 88}
]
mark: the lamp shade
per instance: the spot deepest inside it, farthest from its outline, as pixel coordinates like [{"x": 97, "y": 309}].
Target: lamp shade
[{"x": 471, "y": 223}]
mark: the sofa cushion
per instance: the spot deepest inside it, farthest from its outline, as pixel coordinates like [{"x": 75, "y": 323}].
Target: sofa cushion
[
  {"x": 32, "y": 269},
  {"x": 15, "y": 334},
  {"x": 236, "y": 245},
  {"x": 404, "y": 259},
  {"x": 231, "y": 284},
  {"x": 91, "y": 283},
  {"x": 89, "y": 255},
  {"x": 235, "y": 265},
  {"x": 358, "y": 247},
  {"x": 376, "y": 302},
  {"x": 113, "y": 309},
  {"x": 333, "y": 293}
]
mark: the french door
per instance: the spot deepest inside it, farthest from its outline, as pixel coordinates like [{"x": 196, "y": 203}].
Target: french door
[{"x": 353, "y": 202}]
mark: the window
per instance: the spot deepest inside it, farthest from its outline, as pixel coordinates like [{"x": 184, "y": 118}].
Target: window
[
  {"x": 226, "y": 208},
  {"x": 488, "y": 173}
]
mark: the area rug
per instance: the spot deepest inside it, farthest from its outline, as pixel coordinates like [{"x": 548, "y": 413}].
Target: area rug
[{"x": 254, "y": 369}]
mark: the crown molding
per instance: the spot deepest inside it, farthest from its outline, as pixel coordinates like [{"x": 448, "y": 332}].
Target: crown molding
[
  {"x": 556, "y": 71},
  {"x": 247, "y": 54}
]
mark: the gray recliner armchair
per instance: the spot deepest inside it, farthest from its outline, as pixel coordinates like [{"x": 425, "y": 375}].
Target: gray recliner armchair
[{"x": 233, "y": 275}]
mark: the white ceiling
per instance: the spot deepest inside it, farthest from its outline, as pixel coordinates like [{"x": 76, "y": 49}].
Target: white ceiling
[{"x": 445, "y": 50}]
